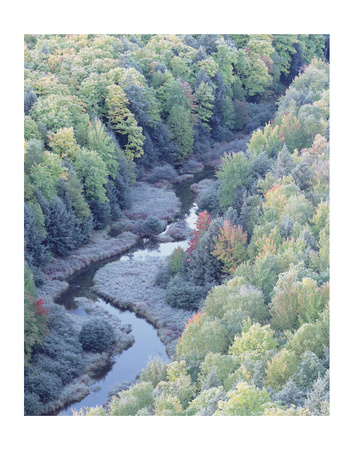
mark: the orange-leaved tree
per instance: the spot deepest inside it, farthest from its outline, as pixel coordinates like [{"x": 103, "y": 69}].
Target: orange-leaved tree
[{"x": 231, "y": 246}]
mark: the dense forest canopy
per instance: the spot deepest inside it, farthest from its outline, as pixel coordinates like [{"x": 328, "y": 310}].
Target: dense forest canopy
[{"x": 101, "y": 112}]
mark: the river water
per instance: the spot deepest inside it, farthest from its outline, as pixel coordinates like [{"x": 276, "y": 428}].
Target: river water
[{"x": 126, "y": 366}]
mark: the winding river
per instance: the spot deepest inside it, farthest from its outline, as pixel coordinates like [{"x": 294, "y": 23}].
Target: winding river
[{"x": 126, "y": 366}]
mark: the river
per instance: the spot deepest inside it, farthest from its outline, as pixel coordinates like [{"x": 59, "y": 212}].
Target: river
[{"x": 126, "y": 366}]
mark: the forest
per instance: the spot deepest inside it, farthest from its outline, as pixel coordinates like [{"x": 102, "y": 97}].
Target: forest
[{"x": 243, "y": 308}]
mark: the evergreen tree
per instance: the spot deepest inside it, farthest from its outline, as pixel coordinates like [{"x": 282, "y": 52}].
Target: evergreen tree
[
  {"x": 101, "y": 213},
  {"x": 60, "y": 229},
  {"x": 284, "y": 163},
  {"x": 30, "y": 99},
  {"x": 35, "y": 251}
]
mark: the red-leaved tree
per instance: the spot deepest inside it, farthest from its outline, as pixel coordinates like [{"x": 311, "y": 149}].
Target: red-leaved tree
[{"x": 202, "y": 224}]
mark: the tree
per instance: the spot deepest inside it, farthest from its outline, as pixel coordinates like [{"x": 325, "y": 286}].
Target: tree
[
  {"x": 179, "y": 124},
  {"x": 230, "y": 247},
  {"x": 30, "y": 99},
  {"x": 99, "y": 141},
  {"x": 58, "y": 111},
  {"x": 96, "y": 335},
  {"x": 284, "y": 305},
  {"x": 266, "y": 140},
  {"x": 232, "y": 173},
  {"x": 36, "y": 316},
  {"x": 205, "y": 100},
  {"x": 33, "y": 154},
  {"x": 245, "y": 400},
  {"x": 92, "y": 172},
  {"x": 63, "y": 143},
  {"x": 35, "y": 251},
  {"x": 60, "y": 229},
  {"x": 280, "y": 369},
  {"x": 202, "y": 224},
  {"x": 123, "y": 122},
  {"x": 255, "y": 340}
]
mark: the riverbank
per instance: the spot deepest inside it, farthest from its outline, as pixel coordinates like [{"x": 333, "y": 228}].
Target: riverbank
[
  {"x": 60, "y": 274},
  {"x": 129, "y": 284},
  {"x": 147, "y": 201}
]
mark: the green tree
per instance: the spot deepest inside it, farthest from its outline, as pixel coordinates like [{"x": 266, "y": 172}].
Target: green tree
[
  {"x": 92, "y": 172},
  {"x": 205, "y": 100},
  {"x": 232, "y": 173},
  {"x": 123, "y": 122},
  {"x": 245, "y": 400},
  {"x": 99, "y": 141},
  {"x": 179, "y": 124}
]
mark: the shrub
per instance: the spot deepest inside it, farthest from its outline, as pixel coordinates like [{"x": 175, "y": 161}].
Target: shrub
[
  {"x": 165, "y": 172},
  {"x": 151, "y": 226},
  {"x": 175, "y": 261},
  {"x": 96, "y": 335},
  {"x": 33, "y": 405},
  {"x": 44, "y": 384},
  {"x": 162, "y": 276},
  {"x": 183, "y": 294}
]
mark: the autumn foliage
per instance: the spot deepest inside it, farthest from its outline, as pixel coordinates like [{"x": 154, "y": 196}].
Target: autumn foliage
[
  {"x": 230, "y": 247},
  {"x": 202, "y": 224}
]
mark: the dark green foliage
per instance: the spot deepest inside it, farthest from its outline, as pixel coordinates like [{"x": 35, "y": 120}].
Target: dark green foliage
[
  {"x": 151, "y": 226},
  {"x": 60, "y": 228},
  {"x": 96, "y": 335},
  {"x": 33, "y": 404},
  {"x": 35, "y": 251},
  {"x": 101, "y": 213},
  {"x": 113, "y": 200},
  {"x": 258, "y": 114},
  {"x": 30, "y": 99},
  {"x": 83, "y": 231},
  {"x": 161, "y": 139},
  {"x": 44, "y": 384},
  {"x": 165, "y": 172},
  {"x": 60, "y": 354},
  {"x": 210, "y": 200},
  {"x": 204, "y": 269},
  {"x": 184, "y": 294},
  {"x": 150, "y": 156}
]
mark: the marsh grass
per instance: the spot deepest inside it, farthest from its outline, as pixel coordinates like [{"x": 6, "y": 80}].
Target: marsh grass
[
  {"x": 152, "y": 201},
  {"x": 130, "y": 285}
]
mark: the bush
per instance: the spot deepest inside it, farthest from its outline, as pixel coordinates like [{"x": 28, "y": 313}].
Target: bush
[
  {"x": 175, "y": 261},
  {"x": 33, "y": 405},
  {"x": 183, "y": 294},
  {"x": 96, "y": 335},
  {"x": 165, "y": 172},
  {"x": 163, "y": 276},
  {"x": 44, "y": 384},
  {"x": 151, "y": 226}
]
